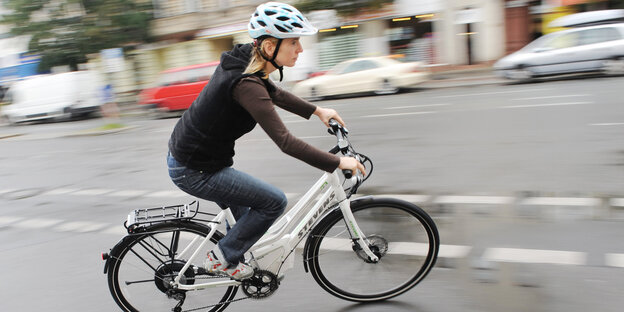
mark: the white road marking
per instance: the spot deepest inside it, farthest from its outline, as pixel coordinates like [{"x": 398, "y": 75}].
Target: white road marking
[
  {"x": 614, "y": 260},
  {"x": 546, "y": 105},
  {"x": 551, "y": 97},
  {"x": 398, "y": 114},
  {"x": 408, "y": 198},
  {"x": 80, "y": 226},
  {"x": 167, "y": 194},
  {"x": 454, "y": 251},
  {"x": 92, "y": 192},
  {"x": 128, "y": 193},
  {"x": 416, "y": 106},
  {"x": 118, "y": 230},
  {"x": 60, "y": 191},
  {"x": 36, "y": 223},
  {"x": 454, "y": 199},
  {"x": 617, "y": 202},
  {"x": 6, "y": 191},
  {"x": 608, "y": 124},
  {"x": 5, "y": 220},
  {"x": 490, "y": 93},
  {"x": 400, "y": 248},
  {"x": 535, "y": 256},
  {"x": 291, "y": 195},
  {"x": 561, "y": 201}
]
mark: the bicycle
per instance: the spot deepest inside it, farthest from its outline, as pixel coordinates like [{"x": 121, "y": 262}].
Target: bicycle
[{"x": 363, "y": 249}]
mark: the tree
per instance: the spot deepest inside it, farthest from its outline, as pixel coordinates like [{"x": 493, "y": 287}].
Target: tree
[
  {"x": 343, "y": 7},
  {"x": 65, "y": 32}
]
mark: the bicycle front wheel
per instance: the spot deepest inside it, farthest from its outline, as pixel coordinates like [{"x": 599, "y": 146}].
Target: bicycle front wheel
[
  {"x": 402, "y": 235},
  {"x": 142, "y": 265}
]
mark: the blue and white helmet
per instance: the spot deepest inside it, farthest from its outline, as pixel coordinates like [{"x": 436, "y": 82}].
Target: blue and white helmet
[{"x": 279, "y": 20}]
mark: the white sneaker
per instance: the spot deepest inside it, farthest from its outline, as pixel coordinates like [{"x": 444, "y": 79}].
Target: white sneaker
[{"x": 239, "y": 272}]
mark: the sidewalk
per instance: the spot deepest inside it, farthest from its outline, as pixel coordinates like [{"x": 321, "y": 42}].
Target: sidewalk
[{"x": 448, "y": 76}]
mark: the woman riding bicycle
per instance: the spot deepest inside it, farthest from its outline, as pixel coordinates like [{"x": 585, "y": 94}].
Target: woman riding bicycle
[{"x": 239, "y": 96}]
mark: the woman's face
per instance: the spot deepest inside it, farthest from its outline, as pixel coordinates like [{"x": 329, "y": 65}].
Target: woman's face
[{"x": 288, "y": 52}]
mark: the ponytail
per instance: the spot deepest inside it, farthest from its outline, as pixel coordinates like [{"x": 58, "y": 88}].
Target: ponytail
[{"x": 257, "y": 62}]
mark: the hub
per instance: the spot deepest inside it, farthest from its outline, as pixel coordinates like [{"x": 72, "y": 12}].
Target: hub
[{"x": 167, "y": 272}]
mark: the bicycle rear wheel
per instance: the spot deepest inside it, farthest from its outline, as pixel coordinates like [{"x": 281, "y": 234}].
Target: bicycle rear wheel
[
  {"x": 401, "y": 234},
  {"x": 142, "y": 265}
]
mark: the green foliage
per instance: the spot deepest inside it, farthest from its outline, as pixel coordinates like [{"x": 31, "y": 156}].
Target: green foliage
[
  {"x": 343, "y": 7},
  {"x": 65, "y": 32}
]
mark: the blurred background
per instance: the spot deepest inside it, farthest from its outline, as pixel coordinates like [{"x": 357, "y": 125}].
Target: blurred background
[
  {"x": 131, "y": 42},
  {"x": 502, "y": 119}
]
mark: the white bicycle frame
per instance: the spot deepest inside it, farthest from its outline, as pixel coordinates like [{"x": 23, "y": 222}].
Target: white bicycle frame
[{"x": 280, "y": 241}]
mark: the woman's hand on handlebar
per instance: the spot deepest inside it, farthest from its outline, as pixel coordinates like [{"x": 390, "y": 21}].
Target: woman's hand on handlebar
[
  {"x": 325, "y": 114},
  {"x": 350, "y": 163}
]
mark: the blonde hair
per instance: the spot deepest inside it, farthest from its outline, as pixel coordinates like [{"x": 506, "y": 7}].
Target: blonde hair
[{"x": 257, "y": 62}]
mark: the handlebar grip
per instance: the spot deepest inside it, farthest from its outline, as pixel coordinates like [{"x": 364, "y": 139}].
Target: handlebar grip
[{"x": 347, "y": 173}]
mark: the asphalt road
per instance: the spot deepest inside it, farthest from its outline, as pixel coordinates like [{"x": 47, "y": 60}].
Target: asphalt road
[{"x": 525, "y": 182}]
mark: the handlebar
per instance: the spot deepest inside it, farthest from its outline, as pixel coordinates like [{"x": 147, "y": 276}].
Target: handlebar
[
  {"x": 345, "y": 148},
  {"x": 343, "y": 143}
]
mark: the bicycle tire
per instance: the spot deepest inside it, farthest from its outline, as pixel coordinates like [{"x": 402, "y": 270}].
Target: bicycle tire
[
  {"x": 407, "y": 232},
  {"x": 141, "y": 263}
]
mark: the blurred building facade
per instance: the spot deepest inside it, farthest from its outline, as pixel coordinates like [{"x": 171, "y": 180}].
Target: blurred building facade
[
  {"x": 433, "y": 31},
  {"x": 454, "y": 32}
]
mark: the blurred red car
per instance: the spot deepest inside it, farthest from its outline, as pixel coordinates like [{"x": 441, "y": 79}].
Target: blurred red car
[{"x": 178, "y": 87}]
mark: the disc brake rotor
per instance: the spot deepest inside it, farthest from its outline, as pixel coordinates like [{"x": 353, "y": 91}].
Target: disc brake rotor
[{"x": 377, "y": 244}]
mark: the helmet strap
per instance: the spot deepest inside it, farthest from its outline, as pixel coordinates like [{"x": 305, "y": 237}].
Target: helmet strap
[{"x": 272, "y": 59}]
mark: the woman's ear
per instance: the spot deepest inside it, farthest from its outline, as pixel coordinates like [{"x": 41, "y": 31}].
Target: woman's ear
[{"x": 269, "y": 48}]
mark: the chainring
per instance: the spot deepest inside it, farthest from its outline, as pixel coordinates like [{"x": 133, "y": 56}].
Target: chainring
[
  {"x": 378, "y": 245},
  {"x": 261, "y": 285}
]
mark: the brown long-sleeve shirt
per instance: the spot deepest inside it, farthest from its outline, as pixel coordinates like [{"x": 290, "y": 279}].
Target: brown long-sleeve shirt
[{"x": 252, "y": 94}]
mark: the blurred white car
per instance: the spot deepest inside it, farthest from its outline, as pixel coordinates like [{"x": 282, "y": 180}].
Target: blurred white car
[
  {"x": 58, "y": 96},
  {"x": 574, "y": 50},
  {"x": 381, "y": 75}
]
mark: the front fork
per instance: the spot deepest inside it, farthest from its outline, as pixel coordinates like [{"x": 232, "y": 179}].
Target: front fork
[{"x": 356, "y": 233}]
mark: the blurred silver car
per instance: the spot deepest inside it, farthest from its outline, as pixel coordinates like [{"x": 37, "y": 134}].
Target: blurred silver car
[
  {"x": 575, "y": 50},
  {"x": 381, "y": 75}
]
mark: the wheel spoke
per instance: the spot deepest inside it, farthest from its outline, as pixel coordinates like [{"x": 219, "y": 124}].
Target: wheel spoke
[
  {"x": 143, "y": 268},
  {"x": 401, "y": 235}
]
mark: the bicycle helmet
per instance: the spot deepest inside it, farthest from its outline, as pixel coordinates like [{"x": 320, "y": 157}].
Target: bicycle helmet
[{"x": 279, "y": 20}]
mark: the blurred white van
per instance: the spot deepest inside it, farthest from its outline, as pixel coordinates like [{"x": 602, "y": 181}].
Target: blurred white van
[{"x": 54, "y": 96}]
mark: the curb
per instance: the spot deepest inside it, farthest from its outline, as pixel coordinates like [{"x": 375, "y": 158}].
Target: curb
[
  {"x": 94, "y": 132},
  {"x": 10, "y": 135}
]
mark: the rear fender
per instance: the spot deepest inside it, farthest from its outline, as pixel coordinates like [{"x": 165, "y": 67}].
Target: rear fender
[{"x": 144, "y": 230}]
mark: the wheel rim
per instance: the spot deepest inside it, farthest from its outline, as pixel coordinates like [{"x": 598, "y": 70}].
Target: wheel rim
[
  {"x": 134, "y": 276},
  {"x": 407, "y": 260},
  {"x": 314, "y": 94},
  {"x": 614, "y": 67},
  {"x": 387, "y": 88},
  {"x": 521, "y": 74}
]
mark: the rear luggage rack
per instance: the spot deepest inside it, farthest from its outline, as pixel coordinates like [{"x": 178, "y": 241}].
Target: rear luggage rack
[{"x": 149, "y": 216}]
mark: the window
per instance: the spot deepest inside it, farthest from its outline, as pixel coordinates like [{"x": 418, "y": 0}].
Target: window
[
  {"x": 563, "y": 41},
  {"x": 598, "y": 35},
  {"x": 359, "y": 66}
]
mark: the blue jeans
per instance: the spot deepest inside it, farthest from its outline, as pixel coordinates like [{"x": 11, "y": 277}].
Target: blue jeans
[{"x": 254, "y": 203}]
